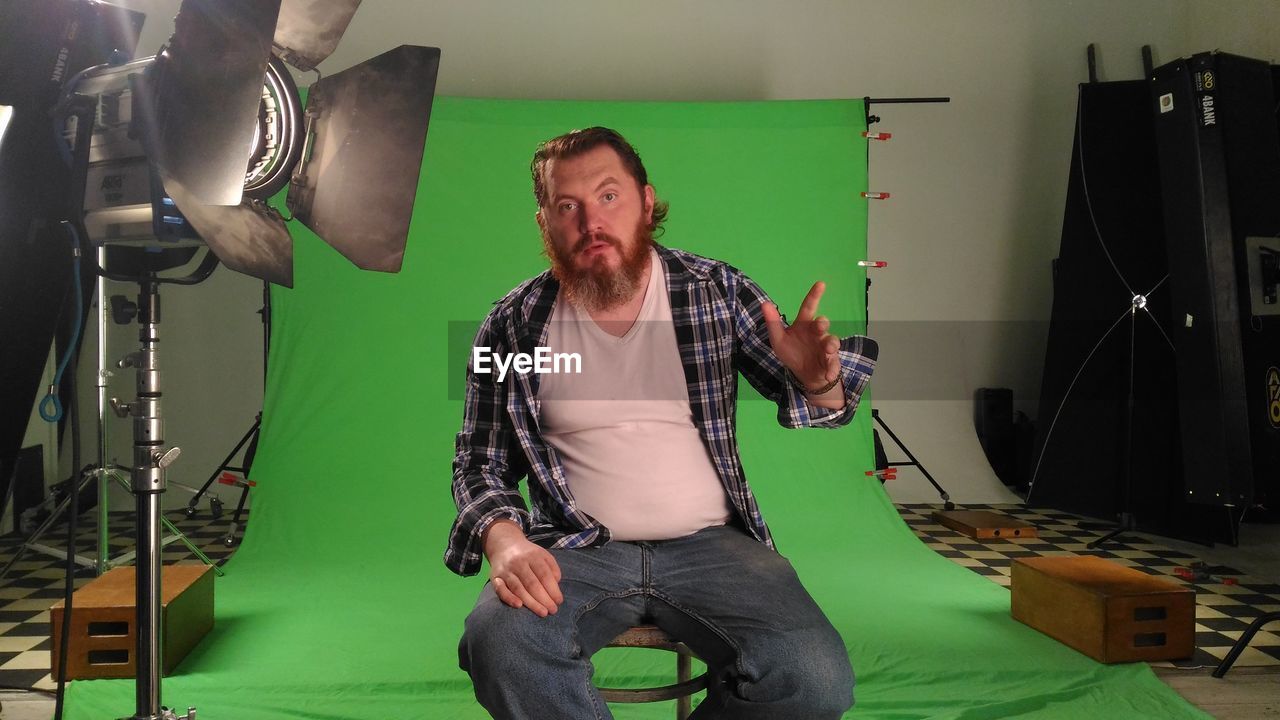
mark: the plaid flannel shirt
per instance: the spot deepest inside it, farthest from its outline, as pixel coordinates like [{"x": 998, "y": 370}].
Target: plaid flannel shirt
[{"x": 720, "y": 331}]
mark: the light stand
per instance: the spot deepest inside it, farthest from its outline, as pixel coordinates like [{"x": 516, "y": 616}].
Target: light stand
[
  {"x": 150, "y": 461},
  {"x": 123, "y": 313},
  {"x": 171, "y": 138},
  {"x": 104, "y": 490},
  {"x": 102, "y": 473},
  {"x": 147, "y": 479}
]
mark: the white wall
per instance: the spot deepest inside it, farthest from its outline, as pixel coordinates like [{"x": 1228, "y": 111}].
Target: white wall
[{"x": 978, "y": 184}]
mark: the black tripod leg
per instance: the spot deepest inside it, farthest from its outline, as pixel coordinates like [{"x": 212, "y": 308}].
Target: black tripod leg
[
  {"x": 230, "y": 539},
  {"x": 1106, "y": 538},
  {"x": 1243, "y": 642},
  {"x": 1128, "y": 522},
  {"x": 946, "y": 499}
]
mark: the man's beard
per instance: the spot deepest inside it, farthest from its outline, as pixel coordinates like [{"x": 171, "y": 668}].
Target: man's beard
[{"x": 597, "y": 288}]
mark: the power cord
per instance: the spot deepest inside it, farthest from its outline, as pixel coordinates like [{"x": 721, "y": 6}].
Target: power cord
[
  {"x": 74, "y": 485},
  {"x": 50, "y": 406}
]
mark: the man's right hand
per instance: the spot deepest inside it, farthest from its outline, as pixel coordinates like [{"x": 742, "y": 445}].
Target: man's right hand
[{"x": 523, "y": 574}]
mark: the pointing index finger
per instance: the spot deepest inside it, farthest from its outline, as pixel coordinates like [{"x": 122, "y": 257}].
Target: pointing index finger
[{"x": 809, "y": 307}]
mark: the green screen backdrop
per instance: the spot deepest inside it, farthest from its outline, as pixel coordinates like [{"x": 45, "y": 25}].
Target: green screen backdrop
[{"x": 337, "y": 605}]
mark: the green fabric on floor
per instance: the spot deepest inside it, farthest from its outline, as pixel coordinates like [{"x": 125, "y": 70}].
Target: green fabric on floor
[{"x": 338, "y": 606}]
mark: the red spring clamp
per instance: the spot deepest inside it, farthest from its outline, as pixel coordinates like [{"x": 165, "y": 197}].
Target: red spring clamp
[
  {"x": 877, "y": 135},
  {"x": 875, "y": 195},
  {"x": 872, "y": 263},
  {"x": 227, "y": 478}
]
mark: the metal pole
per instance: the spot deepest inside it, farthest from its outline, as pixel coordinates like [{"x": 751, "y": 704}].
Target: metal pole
[
  {"x": 868, "y": 101},
  {"x": 149, "y": 627},
  {"x": 104, "y": 488},
  {"x": 149, "y": 463}
]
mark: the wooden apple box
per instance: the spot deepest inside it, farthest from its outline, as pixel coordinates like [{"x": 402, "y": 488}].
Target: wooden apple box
[
  {"x": 984, "y": 524},
  {"x": 1107, "y": 611},
  {"x": 103, "y": 637}
]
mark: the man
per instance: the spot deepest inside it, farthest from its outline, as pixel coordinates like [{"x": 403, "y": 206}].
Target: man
[{"x": 641, "y": 512}]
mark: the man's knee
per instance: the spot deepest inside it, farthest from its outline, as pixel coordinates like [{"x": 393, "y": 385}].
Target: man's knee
[
  {"x": 809, "y": 673},
  {"x": 499, "y": 638},
  {"x": 829, "y": 682}
]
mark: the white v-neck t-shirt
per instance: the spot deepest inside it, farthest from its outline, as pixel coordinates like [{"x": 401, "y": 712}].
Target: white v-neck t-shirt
[{"x": 623, "y": 428}]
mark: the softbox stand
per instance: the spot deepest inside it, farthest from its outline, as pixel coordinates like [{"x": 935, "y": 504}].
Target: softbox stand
[{"x": 1128, "y": 520}]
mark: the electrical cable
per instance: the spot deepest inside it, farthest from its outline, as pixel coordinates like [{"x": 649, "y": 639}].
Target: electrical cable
[
  {"x": 51, "y": 399},
  {"x": 73, "y": 485},
  {"x": 73, "y": 516}
]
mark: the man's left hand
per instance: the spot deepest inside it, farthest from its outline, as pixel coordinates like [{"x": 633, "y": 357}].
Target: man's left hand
[{"x": 805, "y": 347}]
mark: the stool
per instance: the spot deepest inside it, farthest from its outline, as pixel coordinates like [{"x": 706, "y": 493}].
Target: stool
[{"x": 649, "y": 636}]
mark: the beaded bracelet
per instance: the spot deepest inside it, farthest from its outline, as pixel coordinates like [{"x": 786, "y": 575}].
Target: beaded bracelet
[{"x": 801, "y": 387}]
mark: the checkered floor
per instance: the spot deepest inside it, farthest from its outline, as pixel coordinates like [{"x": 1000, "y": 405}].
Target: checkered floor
[
  {"x": 36, "y": 582},
  {"x": 1223, "y": 611}
]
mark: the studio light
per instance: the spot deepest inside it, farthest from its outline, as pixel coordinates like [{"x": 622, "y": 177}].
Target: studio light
[
  {"x": 189, "y": 144},
  {"x": 178, "y": 151}
]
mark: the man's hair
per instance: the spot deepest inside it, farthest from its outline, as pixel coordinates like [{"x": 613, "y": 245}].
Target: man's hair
[{"x": 578, "y": 142}]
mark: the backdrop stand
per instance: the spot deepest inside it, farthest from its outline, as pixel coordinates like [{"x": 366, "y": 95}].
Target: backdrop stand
[
  {"x": 867, "y": 103},
  {"x": 912, "y": 461},
  {"x": 250, "y": 438},
  {"x": 215, "y": 503}
]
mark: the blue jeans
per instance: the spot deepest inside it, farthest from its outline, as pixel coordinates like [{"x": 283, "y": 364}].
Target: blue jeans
[{"x": 737, "y": 604}]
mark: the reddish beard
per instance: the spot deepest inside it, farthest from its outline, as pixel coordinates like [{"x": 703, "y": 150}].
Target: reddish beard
[{"x": 597, "y": 287}]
